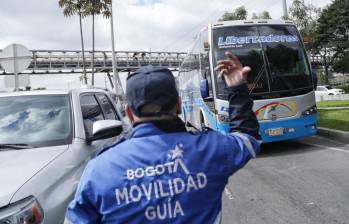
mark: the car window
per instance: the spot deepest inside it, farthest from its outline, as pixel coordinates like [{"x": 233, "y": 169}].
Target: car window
[
  {"x": 320, "y": 88},
  {"x": 35, "y": 120},
  {"x": 91, "y": 111},
  {"x": 107, "y": 107}
]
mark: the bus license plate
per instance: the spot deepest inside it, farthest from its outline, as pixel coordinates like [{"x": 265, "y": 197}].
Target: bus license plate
[{"x": 275, "y": 131}]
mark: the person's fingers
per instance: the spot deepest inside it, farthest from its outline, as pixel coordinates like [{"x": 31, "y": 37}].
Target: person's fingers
[
  {"x": 233, "y": 65},
  {"x": 219, "y": 75},
  {"x": 222, "y": 72},
  {"x": 226, "y": 62},
  {"x": 219, "y": 62},
  {"x": 231, "y": 56},
  {"x": 219, "y": 67},
  {"x": 246, "y": 70}
]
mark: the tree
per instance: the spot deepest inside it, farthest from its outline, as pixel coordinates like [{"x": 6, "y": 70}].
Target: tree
[
  {"x": 92, "y": 8},
  {"x": 305, "y": 18},
  {"x": 239, "y": 13},
  {"x": 70, "y": 8},
  {"x": 263, "y": 15},
  {"x": 285, "y": 17},
  {"x": 341, "y": 64},
  {"x": 298, "y": 12},
  {"x": 332, "y": 34}
]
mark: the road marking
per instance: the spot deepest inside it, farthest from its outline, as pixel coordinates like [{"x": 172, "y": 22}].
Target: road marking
[
  {"x": 228, "y": 193},
  {"x": 328, "y": 147}
]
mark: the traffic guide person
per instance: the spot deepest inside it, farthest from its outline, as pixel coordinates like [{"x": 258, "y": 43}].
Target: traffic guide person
[{"x": 164, "y": 173}]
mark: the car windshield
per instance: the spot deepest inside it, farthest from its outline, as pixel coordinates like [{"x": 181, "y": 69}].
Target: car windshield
[
  {"x": 274, "y": 53},
  {"x": 37, "y": 121},
  {"x": 328, "y": 87}
]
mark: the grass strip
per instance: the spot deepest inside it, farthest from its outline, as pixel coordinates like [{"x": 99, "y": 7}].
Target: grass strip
[
  {"x": 334, "y": 119},
  {"x": 335, "y": 103}
]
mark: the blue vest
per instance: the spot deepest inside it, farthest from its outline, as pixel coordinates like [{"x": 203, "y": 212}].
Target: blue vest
[{"x": 160, "y": 177}]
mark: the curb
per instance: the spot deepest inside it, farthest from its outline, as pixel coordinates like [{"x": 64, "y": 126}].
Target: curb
[
  {"x": 331, "y": 133},
  {"x": 333, "y": 108}
]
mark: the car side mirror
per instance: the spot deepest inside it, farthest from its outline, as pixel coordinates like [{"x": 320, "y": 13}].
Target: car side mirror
[{"x": 105, "y": 129}]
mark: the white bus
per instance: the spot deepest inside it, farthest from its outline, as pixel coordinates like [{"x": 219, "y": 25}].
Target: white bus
[{"x": 280, "y": 82}]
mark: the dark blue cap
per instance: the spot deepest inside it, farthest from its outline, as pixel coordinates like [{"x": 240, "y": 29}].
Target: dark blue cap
[{"x": 151, "y": 85}]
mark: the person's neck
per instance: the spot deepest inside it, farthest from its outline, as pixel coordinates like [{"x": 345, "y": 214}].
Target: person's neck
[
  {"x": 167, "y": 124},
  {"x": 155, "y": 118}
]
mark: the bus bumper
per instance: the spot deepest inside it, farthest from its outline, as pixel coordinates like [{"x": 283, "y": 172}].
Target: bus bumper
[{"x": 275, "y": 131}]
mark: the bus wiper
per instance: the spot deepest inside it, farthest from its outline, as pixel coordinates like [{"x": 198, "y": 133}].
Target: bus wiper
[
  {"x": 15, "y": 146},
  {"x": 257, "y": 78}
]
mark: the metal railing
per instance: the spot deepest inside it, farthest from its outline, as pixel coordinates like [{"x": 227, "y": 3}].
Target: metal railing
[
  {"x": 69, "y": 61},
  {"x": 63, "y": 61}
]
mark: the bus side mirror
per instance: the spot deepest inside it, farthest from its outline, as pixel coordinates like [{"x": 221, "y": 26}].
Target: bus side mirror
[
  {"x": 206, "y": 46},
  {"x": 305, "y": 40},
  {"x": 204, "y": 88}
]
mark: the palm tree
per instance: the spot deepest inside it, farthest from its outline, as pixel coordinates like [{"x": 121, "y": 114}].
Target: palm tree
[
  {"x": 70, "y": 8},
  {"x": 96, "y": 7}
]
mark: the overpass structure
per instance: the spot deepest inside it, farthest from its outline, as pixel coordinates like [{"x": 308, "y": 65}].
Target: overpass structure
[
  {"x": 317, "y": 60},
  {"x": 69, "y": 61}
]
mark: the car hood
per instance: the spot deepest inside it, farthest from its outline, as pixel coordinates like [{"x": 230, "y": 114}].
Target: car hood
[{"x": 18, "y": 166}]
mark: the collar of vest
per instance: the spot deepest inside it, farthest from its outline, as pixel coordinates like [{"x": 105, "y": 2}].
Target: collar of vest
[{"x": 143, "y": 129}]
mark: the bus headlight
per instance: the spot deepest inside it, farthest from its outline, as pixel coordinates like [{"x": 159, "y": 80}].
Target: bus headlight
[
  {"x": 27, "y": 211},
  {"x": 309, "y": 111}
]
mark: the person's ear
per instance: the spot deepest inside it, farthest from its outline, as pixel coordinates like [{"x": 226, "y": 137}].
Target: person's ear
[
  {"x": 129, "y": 113},
  {"x": 179, "y": 106}
]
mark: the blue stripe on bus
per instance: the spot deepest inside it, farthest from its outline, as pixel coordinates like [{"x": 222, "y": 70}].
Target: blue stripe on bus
[{"x": 303, "y": 126}]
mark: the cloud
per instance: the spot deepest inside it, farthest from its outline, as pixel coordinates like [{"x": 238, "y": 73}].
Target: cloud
[{"x": 139, "y": 24}]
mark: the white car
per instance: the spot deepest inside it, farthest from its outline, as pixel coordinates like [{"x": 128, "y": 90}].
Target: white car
[
  {"x": 327, "y": 91},
  {"x": 46, "y": 139}
]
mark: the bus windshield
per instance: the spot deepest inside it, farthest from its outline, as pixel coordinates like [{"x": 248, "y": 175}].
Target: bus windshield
[{"x": 275, "y": 54}]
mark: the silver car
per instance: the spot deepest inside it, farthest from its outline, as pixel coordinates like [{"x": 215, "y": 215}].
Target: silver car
[{"x": 46, "y": 139}]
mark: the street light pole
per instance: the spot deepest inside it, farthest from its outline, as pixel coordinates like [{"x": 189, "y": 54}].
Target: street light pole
[
  {"x": 284, "y": 4},
  {"x": 117, "y": 83}
]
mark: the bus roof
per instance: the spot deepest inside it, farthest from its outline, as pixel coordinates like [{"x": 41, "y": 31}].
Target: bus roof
[{"x": 251, "y": 22}]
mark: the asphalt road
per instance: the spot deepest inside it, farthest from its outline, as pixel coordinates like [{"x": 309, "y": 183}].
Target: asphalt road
[{"x": 294, "y": 182}]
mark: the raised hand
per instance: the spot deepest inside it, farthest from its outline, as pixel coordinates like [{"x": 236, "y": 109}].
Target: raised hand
[{"x": 232, "y": 71}]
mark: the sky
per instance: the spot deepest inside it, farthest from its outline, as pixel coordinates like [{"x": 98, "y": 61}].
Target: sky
[{"x": 140, "y": 25}]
